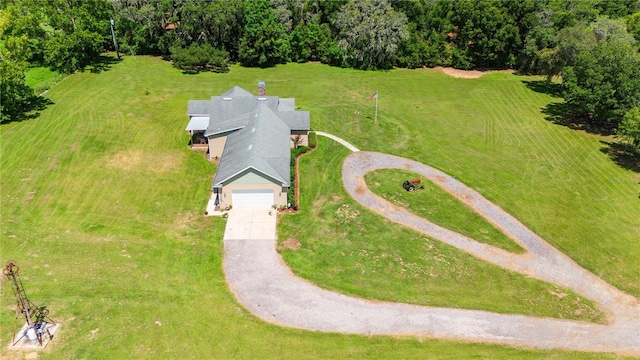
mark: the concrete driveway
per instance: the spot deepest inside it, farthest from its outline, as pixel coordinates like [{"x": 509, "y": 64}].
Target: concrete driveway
[{"x": 251, "y": 224}]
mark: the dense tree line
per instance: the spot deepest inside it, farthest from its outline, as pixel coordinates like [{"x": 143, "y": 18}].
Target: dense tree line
[{"x": 591, "y": 44}]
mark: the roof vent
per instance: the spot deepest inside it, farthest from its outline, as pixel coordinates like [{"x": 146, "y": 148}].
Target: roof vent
[
  {"x": 253, "y": 130},
  {"x": 250, "y": 147}
]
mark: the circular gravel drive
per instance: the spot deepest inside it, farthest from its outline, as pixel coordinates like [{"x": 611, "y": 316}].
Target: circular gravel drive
[{"x": 264, "y": 284}]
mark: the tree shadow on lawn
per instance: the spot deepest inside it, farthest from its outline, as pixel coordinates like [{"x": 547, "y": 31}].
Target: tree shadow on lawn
[
  {"x": 561, "y": 113},
  {"x": 544, "y": 87},
  {"x": 31, "y": 109},
  {"x": 102, "y": 63},
  {"x": 622, "y": 155}
]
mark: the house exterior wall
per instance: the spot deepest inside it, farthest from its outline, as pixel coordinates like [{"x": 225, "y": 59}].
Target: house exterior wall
[
  {"x": 216, "y": 145},
  {"x": 250, "y": 180}
]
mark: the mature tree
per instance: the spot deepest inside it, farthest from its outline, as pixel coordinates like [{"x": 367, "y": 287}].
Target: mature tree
[
  {"x": 69, "y": 52},
  {"x": 65, "y": 34},
  {"x": 633, "y": 25},
  {"x": 23, "y": 30},
  {"x": 309, "y": 42},
  {"x": 81, "y": 29},
  {"x": 200, "y": 57},
  {"x": 283, "y": 10},
  {"x": 541, "y": 36},
  {"x": 429, "y": 29},
  {"x": 370, "y": 32},
  {"x": 606, "y": 29},
  {"x": 216, "y": 22},
  {"x": 486, "y": 34},
  {"x": 629, "y": 129},
  {"x": 264, "y": 41},
  {"x": 604, "y": 83},
  {"x": 567, "y": 13},
  {"x": 139, "y": 25},
  {"x": 617, "y": 8},
  {"x": 15, "y": 96},
  {"x": 570, "y": 42}
]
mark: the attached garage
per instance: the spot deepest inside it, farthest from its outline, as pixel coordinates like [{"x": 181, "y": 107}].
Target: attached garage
[{"x": 252, "y": 198}]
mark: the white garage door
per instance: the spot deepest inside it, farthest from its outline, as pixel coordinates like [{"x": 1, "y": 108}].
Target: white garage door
[{"x": 252, "y": 198}]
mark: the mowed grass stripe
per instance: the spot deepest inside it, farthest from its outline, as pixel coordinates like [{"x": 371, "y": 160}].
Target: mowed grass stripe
[
  {"x": 120, "y": 243},
  {"x": 350, "y": 249},
  {"x": 435, "y": 204}
]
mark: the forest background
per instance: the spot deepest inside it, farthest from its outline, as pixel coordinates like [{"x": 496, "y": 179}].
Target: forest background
[{"x": 590, "y": 46}]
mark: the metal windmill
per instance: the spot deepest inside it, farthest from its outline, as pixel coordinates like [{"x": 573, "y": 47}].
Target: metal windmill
[{"x": 37, "y": 317}]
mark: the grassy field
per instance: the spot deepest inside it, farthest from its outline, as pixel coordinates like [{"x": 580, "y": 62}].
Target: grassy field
[
  {"x": 101, "y": 206},
  {"x": 41, "y": 78},
  {"x": 352, "y": 250},
  {"x": 432, "y": 202}
]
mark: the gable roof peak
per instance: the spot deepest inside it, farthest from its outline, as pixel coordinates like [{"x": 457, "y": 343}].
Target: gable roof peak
[{"x": 236, "y": 91}]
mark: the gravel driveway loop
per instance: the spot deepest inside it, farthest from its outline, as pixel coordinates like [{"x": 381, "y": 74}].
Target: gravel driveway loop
[
  {"x": 266, "y": 286},
  {"x": 541, "y": 261}
]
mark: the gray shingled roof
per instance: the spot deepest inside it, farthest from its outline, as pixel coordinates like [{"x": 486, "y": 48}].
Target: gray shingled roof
[
  {"x": 287, "y": 104},
  {"x": 231, "y": 112},
  {"x": 262, "y": 145},
  {"x": 199, "y": 107},
  {"x": 237, "y": 91},
  {"x": 296, "y": 120},
  {"x": 258, "y": 130}
]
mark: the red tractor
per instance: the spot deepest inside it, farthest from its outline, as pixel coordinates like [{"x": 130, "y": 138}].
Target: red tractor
[{"x": 414, "y": 184}]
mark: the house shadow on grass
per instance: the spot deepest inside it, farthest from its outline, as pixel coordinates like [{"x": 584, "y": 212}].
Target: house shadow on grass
[{"x": 622, "y": 155}]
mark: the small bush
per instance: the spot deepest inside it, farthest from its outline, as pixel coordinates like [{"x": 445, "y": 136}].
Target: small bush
[
  {"x": 295, "y": 152},
  {"x": 313, "y": 140},
  {"x": 291, "y": 195},
  {"x": 200, "y": 57}
]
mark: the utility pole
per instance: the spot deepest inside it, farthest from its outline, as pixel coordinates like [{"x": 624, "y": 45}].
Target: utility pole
[{"x": 115, "y": 43}]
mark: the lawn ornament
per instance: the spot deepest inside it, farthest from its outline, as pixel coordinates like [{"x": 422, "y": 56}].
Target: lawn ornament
[
  {"x": 415, "y": 184},
  {"x": 39, "y": 326}
]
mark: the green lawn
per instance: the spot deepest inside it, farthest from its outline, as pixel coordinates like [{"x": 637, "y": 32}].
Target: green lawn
[
  {"x": 41, "y": 78},
  {"x": 101, "y": 206},
  {"x": 435, "y": 204}
]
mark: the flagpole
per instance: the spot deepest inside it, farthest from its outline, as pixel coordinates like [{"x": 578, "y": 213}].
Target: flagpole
[{"x": 376, "y": 119}]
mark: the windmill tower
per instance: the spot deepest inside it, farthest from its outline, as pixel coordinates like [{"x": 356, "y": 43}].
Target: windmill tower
[{"x": 39, "y": 327}]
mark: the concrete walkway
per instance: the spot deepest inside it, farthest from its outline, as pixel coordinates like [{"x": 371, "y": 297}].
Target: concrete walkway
[
  {"x": 339, "y": 140},
  {"x": 265, "y": 285}
]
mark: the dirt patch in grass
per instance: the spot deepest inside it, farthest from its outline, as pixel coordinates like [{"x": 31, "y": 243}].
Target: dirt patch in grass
[
  {"x": 184, "y": 221},
  {"x": 290, "y": 244},
  {"x": 464, "y": 74},
  {"x": 125, "y": 160},
  {"x": 468, "y": 74},
  {"x": 137, "y": 160}
]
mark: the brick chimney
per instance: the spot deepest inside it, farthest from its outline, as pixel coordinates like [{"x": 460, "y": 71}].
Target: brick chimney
[{"x": 262, "y": 88}]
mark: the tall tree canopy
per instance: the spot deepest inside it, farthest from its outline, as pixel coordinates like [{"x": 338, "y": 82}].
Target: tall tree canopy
[
  {"x": 370, "y": 32},
  {"x": 15, "y": 96},
  {"x": 604, "y": 83},
  {"x": 264, "y": 42},
  {"x": 65, "y": 34},
  {"x": 592, "y": 44}
]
